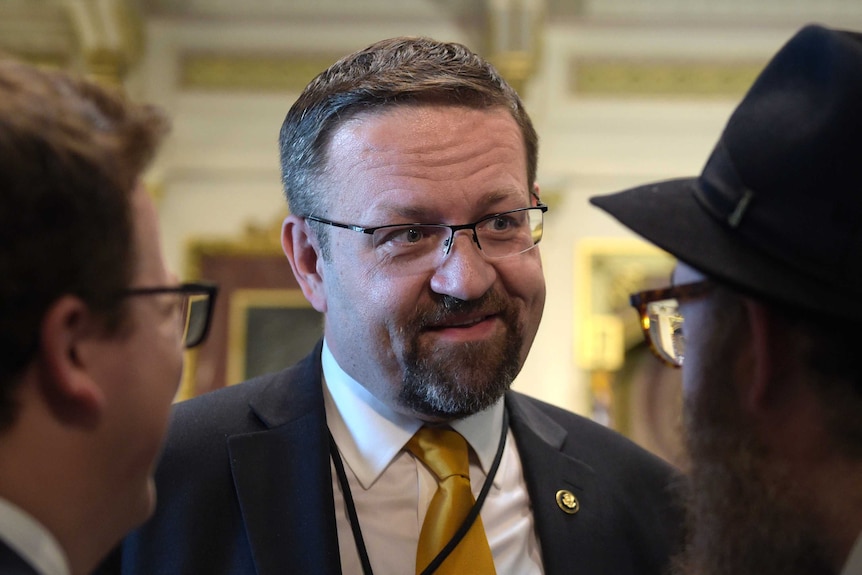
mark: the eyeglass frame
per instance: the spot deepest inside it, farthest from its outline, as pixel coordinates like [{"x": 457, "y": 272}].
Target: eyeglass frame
[
  {"x": 447, "y": 245},
  {"x": 641, "y": 301},
  {"x": 184, "y": 289}
]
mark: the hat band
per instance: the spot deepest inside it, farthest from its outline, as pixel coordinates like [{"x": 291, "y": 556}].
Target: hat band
[
  {"x": 779, "y": 229},
  {"x": 721, "y": 190}
]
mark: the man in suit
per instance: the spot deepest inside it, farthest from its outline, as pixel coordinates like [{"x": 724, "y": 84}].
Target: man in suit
[
  {"x": 409, "y": 169},
  {"x": 91, "y": 322},
  {"x": 764, "y": 311}
]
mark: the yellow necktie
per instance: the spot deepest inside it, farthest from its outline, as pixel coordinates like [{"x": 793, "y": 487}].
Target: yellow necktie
[{"x": 444, "y": 452}]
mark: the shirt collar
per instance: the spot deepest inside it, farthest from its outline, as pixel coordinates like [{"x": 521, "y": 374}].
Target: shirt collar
[
  {"x": 854, "y": 560},
  {"x": 370, "y": 435},
  {"x": 31, "y": 540}
]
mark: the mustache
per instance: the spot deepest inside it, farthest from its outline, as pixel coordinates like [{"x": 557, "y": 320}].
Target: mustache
[{"x": 447, "y": 308}]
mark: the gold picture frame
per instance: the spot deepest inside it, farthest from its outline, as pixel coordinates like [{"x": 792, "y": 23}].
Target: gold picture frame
[
  {"x": 631, "y": 391},
  {"x": 252, "y": 270},
  {"x": 268, "y": 330}
]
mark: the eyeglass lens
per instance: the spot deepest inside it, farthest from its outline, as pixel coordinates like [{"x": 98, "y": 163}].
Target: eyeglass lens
[
  {"x": 425, "y": 246},
  {"x": 665, "y": 330},
  {"x": 195, "y": 313}
]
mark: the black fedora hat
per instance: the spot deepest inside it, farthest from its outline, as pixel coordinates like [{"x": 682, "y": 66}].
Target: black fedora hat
[{"x": 777, "y": 210}]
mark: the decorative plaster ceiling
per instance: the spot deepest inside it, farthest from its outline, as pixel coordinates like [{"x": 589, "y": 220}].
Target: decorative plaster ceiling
[
  {"x": 100, "y": 37},
  {"x": 281, "y": 9},
  {"x": 104, "y": 37},
  {"x": 37, "y": 30}
]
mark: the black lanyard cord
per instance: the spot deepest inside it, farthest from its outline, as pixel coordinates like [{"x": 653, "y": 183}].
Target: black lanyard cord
[
  {"x": 459, "y": 534},
  {"x": 351, "y": 508}
]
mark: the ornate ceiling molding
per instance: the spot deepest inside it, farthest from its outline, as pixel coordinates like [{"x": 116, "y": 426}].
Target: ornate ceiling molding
[
  {"x": 251, "y": 72},
  {"x": 102, "y": 38},
  {"x": 110, "y": 36},
  {"x": 515, "y": 36},
  {"x": 39, "y": 32},
  {"x": 626, "y": 77}
]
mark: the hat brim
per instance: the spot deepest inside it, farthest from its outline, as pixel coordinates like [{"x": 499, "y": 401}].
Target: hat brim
[{"x": 668, "y": 215}]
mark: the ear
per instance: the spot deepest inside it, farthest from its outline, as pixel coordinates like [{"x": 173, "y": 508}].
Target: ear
[
  {"x": 769, "y": 348},
  {"x": 535, "y": 195},
  {"x": 300, "y": 246},
  {"x": 68, "y": 382}
]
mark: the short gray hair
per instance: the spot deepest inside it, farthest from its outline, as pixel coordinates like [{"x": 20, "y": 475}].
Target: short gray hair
[{"x": 394, "y": 72}]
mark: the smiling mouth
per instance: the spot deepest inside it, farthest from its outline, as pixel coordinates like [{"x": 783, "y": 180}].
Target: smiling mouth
[{"x": 466, "y": 323}]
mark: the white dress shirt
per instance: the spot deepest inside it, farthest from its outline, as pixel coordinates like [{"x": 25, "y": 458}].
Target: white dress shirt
[
  {"x": 392, "y": 490},
  {"x": 853, "y": 566},
  {"x": 20, "y": 531}
]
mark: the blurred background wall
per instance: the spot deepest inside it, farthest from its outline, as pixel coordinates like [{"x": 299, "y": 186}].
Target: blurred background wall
[{"x": 621, "y": 92}]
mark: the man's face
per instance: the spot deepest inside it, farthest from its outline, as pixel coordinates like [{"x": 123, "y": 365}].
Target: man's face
[
  {"x": 746, "y": 513},
  {"x": 444, "y": 342},
  {"x": 141, "y": 373}
]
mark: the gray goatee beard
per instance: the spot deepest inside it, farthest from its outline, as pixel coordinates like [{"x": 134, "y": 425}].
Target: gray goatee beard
[{"x": 451, "y": 382}]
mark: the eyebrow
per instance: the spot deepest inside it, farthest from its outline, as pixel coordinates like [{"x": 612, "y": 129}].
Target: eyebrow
[
  {"x": 502, "y": 195},
  {"x": 419, "y": 214}
]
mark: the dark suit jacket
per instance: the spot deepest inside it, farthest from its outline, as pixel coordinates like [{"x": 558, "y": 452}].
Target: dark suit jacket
[
  {"x": 13, "y": 564},
  {"x": 244, "y": 487}
]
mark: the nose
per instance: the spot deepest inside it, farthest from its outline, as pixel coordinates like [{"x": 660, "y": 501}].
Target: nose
[{"x": 464, "y": 273}]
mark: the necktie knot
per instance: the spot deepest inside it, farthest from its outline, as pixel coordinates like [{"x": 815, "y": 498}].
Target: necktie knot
[{"x": 444, "y": 451}]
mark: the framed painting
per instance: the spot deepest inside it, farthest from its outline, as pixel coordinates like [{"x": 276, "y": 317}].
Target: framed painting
[
  {"x": 268, "y": 330},
  {"x": 261, "y": 320},
  {"x": 632, "y": 391}
]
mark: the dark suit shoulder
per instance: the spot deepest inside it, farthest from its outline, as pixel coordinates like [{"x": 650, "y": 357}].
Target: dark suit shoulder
[
  {"x": 594, "y": 444},
  {"x": 630, "y": 515},
  {"x": 265, "y": 401},
  {"x": 219, "y": 408},
  {"x": 13, "y": 564}
]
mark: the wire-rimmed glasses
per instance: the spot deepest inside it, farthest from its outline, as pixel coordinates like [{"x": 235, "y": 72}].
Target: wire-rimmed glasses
[
  {"x": 661, "y": 320},
  {"x": 421, "y": 246},
  {"x": 196, "y": 306}
]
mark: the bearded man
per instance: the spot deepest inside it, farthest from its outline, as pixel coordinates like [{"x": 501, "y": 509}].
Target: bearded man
[
  {"x": 763, "y": 317},
  {"x": 410, "y": 173}
]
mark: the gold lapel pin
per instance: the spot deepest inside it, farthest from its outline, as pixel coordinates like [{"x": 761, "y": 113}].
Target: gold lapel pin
[{"x": 567, "y": 501}]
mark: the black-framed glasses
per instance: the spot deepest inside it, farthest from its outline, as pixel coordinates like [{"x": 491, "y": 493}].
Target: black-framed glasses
[
  {"x": 424, "y": 246},
  {"x": 661, "y": 320},
  {"x": 197, "y": 301}
]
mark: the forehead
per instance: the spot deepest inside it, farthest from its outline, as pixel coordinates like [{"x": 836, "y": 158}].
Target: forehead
[{"x": 427, "y": 156}]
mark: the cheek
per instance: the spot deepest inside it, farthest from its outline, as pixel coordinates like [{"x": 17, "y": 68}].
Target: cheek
[
  {"x": 692, "y": 367},
  {"x": 364, "y": 294},
  {"x": 161, "y": 382},
  {"x": 690, "y": 381},
  {"x": 163, "y": 358},
  {"x": 524, "y": 280},
  {"x": 144, "y": 377},
  {"x": 161, "y": 367},
  {"x": 539, "y": 289}
]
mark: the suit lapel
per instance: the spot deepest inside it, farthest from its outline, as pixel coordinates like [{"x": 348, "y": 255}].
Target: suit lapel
[
  {"x": 13, "y": 564},
  {"x": 283, "y": 480},
  {"x": 567, "y": 538}
]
